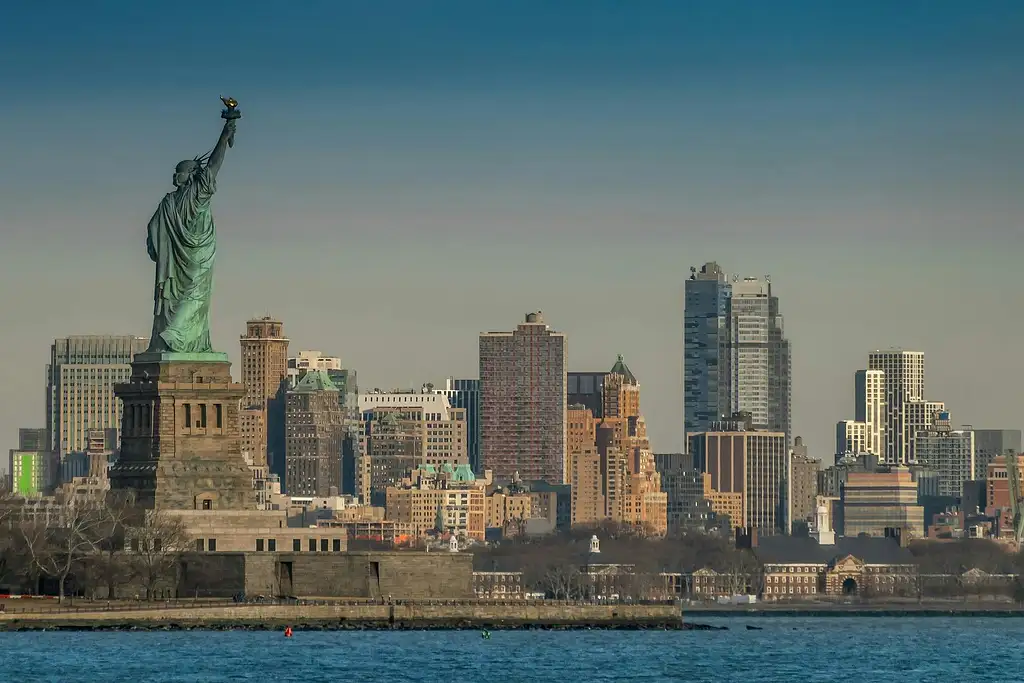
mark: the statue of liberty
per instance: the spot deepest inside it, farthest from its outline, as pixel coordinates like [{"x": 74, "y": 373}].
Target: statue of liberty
[{"x": 182, "y": 241}]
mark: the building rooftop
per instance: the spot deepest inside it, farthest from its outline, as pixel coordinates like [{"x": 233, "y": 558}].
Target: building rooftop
[
  {"x": 315, "y": 380},
  {"x": 620, "y": 368}
]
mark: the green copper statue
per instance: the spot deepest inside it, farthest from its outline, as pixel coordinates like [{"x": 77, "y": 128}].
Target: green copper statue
[{"x": 182, "y": 242}]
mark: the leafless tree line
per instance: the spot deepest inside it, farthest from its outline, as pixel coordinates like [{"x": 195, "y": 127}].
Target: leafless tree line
[
  {"x": 552, "y": 564},
  {"x": 101, "y": 540}
]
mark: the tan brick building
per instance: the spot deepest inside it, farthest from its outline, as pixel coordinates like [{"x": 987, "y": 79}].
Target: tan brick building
[
  {"x": 264, "y": 378},
  {"x": 452, "y": 498}
]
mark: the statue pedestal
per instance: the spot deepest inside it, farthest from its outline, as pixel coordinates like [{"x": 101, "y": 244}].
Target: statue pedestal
[{"x": 180, "y": 434}]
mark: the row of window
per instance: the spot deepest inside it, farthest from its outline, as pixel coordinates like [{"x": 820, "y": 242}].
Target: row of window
[{"x": 323, "y": 545}]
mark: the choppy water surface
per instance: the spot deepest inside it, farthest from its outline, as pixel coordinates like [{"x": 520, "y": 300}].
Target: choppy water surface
[{"x": 863, "y": 649}]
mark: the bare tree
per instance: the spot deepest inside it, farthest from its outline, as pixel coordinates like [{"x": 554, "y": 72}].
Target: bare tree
[
  {"x": 156, "y": 541},
  {"x": 8, "y": 538},
  {"x": 108, "y": 564},
  {"x": 63, "y": 536},
  {"x": 562, "y": 582}
]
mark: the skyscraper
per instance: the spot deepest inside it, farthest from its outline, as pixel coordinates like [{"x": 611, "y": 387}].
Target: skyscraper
[
  {"x": 314, "y": 431},
  {"x": 522, "y": 402},
  {"x": 737, "y": 358},
  {"x": 948, "y": 452},
  {"x": 758, "y": 359},
  {"x": 264, "y": 375},
  {"x": 870, "y": 408},
  {"x": 904, "y": 384},
  {"x": 465, "y": 394},
  {"x": 705, "y": 332},
  {"x": 80, "y": 381}
]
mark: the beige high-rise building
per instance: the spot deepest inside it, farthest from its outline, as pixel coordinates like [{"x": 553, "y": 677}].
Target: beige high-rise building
[
  {"x": 401, "y": 431},
  {"x": 80, "y": 380},
  {"x": 751, "y": 463},
  {"x": 584, "y": 467},
  {"x": 870, "y": 406},
  {"x": 803, "y": 484},
  {"x": 621, "y": 392},
  {"x": 428, "y": 418},
  {"x": 851, "y": 437},
  {"x": 587, "y": 484},
  {"x": 919, "y": 416},
  {"x": 264, "y": 377},
  {"x": 450, "y": 497},
  {"x": 523, "y": 402},
  {"x": 612, "y": 473}
]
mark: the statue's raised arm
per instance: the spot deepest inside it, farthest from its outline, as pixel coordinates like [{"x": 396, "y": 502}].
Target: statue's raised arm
[
  {"x": 182, "y": 242},
  {"x": 227, "y": 134}
]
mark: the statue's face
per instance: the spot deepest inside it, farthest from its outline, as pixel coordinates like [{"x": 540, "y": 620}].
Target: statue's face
[{"x": 183, "y": 171}]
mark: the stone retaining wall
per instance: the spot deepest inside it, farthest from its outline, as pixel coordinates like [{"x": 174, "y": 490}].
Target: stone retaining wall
[{"x": 466, "y": 614}]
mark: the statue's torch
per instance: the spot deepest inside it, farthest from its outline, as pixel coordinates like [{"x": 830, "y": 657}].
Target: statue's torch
[{"x": 230, "y": 114}]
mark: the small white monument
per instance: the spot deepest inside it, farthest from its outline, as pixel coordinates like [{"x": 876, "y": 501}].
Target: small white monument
[
  {"x": 453, "y": 543},
  {"x": 823, "y": 533},
  {"x": 595, "y": 545}
]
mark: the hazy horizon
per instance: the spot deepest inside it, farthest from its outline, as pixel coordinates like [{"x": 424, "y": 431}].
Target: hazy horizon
[{"x": 406, "y": 176}]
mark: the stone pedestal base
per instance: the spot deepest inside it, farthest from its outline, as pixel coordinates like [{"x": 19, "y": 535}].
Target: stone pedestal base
[{"x": 180, "y": 445}]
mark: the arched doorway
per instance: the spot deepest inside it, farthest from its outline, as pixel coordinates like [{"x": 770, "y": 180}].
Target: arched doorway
[{"x": 850, "y": 586}]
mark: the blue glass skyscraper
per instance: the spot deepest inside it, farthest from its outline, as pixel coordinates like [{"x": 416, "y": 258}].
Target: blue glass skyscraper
[{"x": 705, "y": 332}]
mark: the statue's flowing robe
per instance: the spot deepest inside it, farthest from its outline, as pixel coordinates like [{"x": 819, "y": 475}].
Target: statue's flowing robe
[{"x": 182, "y": 242}]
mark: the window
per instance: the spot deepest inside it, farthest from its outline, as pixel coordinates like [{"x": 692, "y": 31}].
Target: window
[
  {"x": 202, "y": 415},
  {"x": 337, "y": 545},
  {"x": 211, "y": 545},
  {"x": 272, "y": 545},
  {"x": 188, "y": 416},
  {"x": 296, "y": 545},
  {"x": 324, "y": 547},
  {"x": 312, "y": 545},
  {"x": 218, "y": 415},
  {"x": 199, "y": 545},
  {"x": 207, "y": 504},
  {"x": 259, "y": 545}
]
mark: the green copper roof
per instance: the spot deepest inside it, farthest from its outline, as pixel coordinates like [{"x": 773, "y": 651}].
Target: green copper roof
[
  {"x": 447, "y": 468},
  {"x": 315, "y": 380},
  {"x": 464, "y": 473},
  {"x": 620, "y": 368}
]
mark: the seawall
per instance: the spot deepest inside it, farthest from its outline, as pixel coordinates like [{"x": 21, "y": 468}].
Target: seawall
[
  {"x": 925, "y": 609},
  {"x": 400, "y": 616}
]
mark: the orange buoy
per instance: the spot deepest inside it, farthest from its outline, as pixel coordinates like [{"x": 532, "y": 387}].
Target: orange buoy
[{"x": 287, "y": 631}]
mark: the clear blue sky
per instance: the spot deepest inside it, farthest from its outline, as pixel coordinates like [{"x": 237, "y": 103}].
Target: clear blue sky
[{"x": 408, "y": 174}]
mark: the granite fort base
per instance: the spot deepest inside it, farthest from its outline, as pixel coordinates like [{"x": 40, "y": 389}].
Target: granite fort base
[{"x": 180, "y": 440}]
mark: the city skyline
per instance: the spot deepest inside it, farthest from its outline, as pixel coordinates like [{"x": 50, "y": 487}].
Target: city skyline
[{"x": 867, "y": 158}]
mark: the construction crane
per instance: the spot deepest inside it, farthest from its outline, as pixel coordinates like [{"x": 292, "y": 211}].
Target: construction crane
[{"x": 1016, "y": 504}]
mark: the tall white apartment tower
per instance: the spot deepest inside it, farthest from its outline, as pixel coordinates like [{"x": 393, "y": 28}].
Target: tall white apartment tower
[
  {"x": 870, "y": 408},
  {"x": 904, "y": 384}
]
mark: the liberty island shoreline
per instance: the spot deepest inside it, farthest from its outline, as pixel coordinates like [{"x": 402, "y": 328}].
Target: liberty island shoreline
[
  {"x": 418, "y": 616},
  {"x": 458, "y": 616}
]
